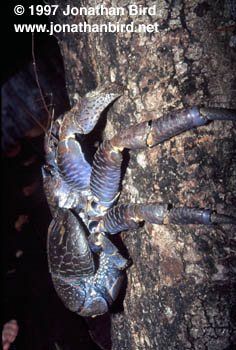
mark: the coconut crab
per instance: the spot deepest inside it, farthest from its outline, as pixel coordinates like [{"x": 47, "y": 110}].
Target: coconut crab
[{"x": 82, "y": 196}]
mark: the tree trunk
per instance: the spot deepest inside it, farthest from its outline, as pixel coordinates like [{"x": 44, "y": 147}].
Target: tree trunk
[{"x": 180, "y": 288}]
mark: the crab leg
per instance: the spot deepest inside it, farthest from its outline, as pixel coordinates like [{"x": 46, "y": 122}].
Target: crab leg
[
  {"x": 153, "y": 132},
  {"x": 80, "y": 120},
  {"x": 72, "y": 164},
  {"x": 105, "y": 175},
  {"x": 129, "y": 216},
  {"x": 99, "y": 242}
]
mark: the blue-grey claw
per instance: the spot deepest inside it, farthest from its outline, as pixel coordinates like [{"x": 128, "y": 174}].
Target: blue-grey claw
[{"x": 82, "y": 118}]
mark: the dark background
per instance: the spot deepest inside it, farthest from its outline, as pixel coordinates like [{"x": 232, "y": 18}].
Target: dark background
[{"x": 28, "y": 294}]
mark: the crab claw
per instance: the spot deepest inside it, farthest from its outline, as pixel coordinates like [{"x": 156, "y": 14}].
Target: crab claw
[{"x": 83, "y": 117}]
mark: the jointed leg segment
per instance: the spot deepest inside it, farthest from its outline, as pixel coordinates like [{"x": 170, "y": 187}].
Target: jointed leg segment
[
  {"x": 105, "y": 177},
  {"x": 129, "y": 216},
  {"x": 153, "y": 132}
]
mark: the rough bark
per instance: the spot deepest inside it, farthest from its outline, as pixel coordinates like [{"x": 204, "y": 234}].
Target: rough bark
[{"x": 180, "y": 288}]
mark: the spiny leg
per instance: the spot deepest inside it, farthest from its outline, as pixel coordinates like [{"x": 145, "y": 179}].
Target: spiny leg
[{"x": 129, "y": 216}]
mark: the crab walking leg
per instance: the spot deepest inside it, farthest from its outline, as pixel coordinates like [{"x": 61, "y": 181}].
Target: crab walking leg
[
  {"x": 153, "y": 132},
  {"x": 129, "y": 216},
  {"x": 72, "y": 164},
  {"x": 105, "y": 176},
  {"x": 80, "y": 120},
  {"x": 99, "y": 242}
]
